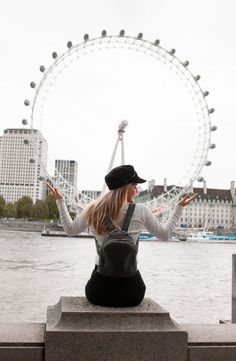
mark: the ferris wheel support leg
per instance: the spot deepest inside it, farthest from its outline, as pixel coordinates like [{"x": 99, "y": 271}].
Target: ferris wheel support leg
[
  {"x": 111, "y": 163},
  {"x": 122, "y": 152}
]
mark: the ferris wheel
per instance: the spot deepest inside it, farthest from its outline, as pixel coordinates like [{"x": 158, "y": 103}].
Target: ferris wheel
[{"x": 150, "y": 49}]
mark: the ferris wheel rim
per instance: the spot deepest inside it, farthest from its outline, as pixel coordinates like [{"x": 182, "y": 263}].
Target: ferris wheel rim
[{"x": 150, "y": 46}]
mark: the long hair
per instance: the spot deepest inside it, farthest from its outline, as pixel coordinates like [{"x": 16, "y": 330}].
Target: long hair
[{"x": 108, "y": 205}]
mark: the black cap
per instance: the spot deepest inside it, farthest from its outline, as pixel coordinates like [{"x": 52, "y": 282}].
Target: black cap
[{"x": 122, "y": 175}]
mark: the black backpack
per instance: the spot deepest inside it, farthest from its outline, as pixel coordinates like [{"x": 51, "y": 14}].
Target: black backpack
[{"x": 117, "y": 254}]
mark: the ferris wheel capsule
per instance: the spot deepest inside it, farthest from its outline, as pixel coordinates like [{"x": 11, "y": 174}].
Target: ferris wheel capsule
[
  {"x": 69, "y": 44},
  {"x": 172, "y": 51},
  {"x": 140, "y": 35},
  {"x": 24, "y": 121},
  {"x": 207, "y": 163},
  {"x": 212, "y": 146},
  {"x": 197, "y": 77},
  {"x": 157, "y": 42},
  {"x": 42, "y": 68},
  {"x": 211, "y": 110},
  {"x": 32, "y": 84},
  {"x": 86, "y": 37},
  {"x": 122, "y": 33},
  {"x": 27, "y": 102},
  {"x": 200, "y": 179},
  {"x": 186, "y": 63},
  {"x": 206, "y": 93},
  {"x": 104, "y": 33},
  {"x": 54, "y": 55},
  {"x": 213, "y": 128}
]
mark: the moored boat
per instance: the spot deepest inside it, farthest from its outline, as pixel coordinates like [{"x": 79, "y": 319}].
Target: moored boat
[
  {"x": 210, "y": 237},
  {"x": 49, "y": 233}
]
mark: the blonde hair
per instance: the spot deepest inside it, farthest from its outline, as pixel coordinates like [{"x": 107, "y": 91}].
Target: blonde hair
[{"x": 108, "y": 205}]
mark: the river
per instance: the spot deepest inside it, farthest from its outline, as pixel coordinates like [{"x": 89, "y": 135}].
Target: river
[{"x": 191, "y": 280}]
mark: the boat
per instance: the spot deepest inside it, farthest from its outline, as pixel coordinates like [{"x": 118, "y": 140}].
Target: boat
[
  {"x": 199, "y": 236},
  {"x": 146, "y": 236},
  {"x": 208, "y": 236},
  {"x": 49, "y": 233}
]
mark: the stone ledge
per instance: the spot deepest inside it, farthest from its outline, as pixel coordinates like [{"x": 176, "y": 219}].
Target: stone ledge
[
  {"x": 79, "y": 331},
  {"x": 76, "y": 313},
  {"x": 22, "y": 334},
  {"x": 21, "y": 353},
  {"x": 212, "y": 335},
  {"x": 211, "y": 353}
]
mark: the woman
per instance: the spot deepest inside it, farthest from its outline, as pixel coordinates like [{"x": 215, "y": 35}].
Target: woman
[{"x": 122, "y": 183}]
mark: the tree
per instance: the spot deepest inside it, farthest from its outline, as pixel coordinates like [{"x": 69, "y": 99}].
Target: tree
[
  {"x": 52, "y": 207},
  {"x": 23, "y": 207},
  {"x": 2, "y": 204},
  {"x": 9, "y": 210},
  {"x": 39, "y": 210}
]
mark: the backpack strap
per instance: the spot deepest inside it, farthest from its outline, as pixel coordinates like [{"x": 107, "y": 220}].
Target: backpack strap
[
  {"x": 128, "y": 217},
  {"x": 109, "y": 224}
]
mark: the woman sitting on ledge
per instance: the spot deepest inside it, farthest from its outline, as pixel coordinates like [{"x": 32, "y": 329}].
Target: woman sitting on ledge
[{"x": 115, "y": 280}]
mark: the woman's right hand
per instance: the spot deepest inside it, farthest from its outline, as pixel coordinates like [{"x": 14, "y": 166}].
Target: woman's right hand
[{"x": 55, "y": 192}]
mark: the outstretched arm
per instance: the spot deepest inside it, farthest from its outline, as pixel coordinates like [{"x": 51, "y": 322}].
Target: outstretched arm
[
  {"x": 71, "y": 227},
  {"x": 55, "y": 192},
  {"x": 187, "y": 199},
  {"x": 164, "y": 231}
]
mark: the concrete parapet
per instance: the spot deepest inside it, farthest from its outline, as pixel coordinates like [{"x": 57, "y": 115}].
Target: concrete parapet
[
  {"x": 22, "y": 341},
  {"x": 77, "y": 330},
  {"x": 211, "y": 342}
]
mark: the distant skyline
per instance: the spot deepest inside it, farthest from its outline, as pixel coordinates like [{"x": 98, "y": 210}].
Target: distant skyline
[{"x": 88, "y": 102}]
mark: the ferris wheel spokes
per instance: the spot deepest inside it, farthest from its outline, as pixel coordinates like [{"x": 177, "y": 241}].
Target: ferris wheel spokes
[{"x": 157, "y": 52}]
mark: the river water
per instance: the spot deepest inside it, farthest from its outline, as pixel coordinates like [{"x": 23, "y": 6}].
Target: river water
[{"x": 191, "y": 280}]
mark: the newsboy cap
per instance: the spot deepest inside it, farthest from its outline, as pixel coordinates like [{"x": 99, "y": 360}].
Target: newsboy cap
[{"x": 122, "y": 175}]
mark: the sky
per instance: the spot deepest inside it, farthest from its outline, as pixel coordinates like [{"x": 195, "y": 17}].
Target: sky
[{"x": 93, "y": 95}]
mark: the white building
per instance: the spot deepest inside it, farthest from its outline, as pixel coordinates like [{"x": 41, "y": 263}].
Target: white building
[
  {"x": 213, "y": 209},
  {"x": 68, "y": 169},
  {"x": 23, "y": 154}
]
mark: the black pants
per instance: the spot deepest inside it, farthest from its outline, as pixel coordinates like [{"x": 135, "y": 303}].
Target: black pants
[{"x": 116, "y": 292}]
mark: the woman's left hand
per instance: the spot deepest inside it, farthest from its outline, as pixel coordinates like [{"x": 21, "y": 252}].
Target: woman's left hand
[
  {"x": 55, "y": 192},
  {"x": 187, "y": 199}
]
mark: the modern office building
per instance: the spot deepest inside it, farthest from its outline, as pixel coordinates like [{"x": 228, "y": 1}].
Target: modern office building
[
  {"x": 68, "y": 169},
  {"x": 213, "y": 209},
  {"x": 23, "y": 155}
]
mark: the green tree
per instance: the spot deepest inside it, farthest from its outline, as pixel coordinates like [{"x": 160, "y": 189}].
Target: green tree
[
  {"x": 2, "y": 204},
  {"x": 9, "y": 210},
  {"x": 39, "y": 210},
  {"x": 52, "y": 207},
  {"x": 23, "y": 207}
]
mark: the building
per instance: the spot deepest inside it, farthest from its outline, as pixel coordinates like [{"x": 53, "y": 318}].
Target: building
[
  {"x": 23, "y": 155},
  {"x": 68, "y": 170},
  {"x": 94, "y": 194},
  {"x": 213, "y": 209}
]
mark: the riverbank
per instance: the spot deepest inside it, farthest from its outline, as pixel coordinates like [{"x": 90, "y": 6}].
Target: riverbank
[{"x": 27, "y": 226}]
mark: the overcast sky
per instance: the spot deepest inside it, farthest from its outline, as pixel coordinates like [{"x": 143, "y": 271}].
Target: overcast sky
[{"x": 95, "y": 94}]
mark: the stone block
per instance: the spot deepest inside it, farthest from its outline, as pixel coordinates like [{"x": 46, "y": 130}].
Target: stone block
[
  {"x": 22, "y": 341},
  {"x": 78, "y": 330},
  {"x": 211, "y": 342}
]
